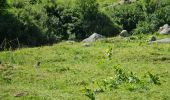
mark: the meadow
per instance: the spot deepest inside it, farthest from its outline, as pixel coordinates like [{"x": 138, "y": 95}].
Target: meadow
[{"x": 110, "y": 69}]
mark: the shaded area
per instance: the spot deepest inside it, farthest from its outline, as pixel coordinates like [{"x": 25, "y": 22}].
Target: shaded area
[
  {"x": 12, "y": 31},
  {"x": 102, "y": 24}
]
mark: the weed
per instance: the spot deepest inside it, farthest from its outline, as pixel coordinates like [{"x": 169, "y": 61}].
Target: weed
[
  {"x": 132, "y": 78},
  {"x": 128, "y": 81},
  {"x": 154, "y": 79},
  {"x": 6, "y": 73},
  {"x": 90, "y": 93},
  {"x": 121, "y": 76},
  {"x": 109, "y": 53}
]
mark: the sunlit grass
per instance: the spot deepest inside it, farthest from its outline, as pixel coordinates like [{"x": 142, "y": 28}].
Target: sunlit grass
[{"x": 67, "y": 68}]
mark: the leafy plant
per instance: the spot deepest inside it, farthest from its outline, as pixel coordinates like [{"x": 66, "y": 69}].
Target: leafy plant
[
  {"x": 109, "y": 53},
  {"x": 132, "y": 78},
  {"x": 121, "y": 76},
  {"x": 123, "y": 79},
  {"x": 90, "y": 94},
  {"x": 154, "y": 79}
]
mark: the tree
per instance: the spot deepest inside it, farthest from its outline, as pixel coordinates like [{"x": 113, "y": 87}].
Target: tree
[
  {"x": 3, "y": 4},
  {"x": 88, "y": 8}
]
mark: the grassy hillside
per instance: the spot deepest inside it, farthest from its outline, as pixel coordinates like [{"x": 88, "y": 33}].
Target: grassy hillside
[{"x": 115, "y": 68}]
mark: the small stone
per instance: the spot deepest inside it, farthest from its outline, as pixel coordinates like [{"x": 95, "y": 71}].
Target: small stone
[
  {"x": 37, "y": 64},
  {"x": 19, "y": 95},
  {"x": 71, "y": 42},
  {"x": 86, "y": 44},
  {"x": 165, "y": 40},
  {"x": 124, "y": 33},
  {"x": 153, "y": 38}
]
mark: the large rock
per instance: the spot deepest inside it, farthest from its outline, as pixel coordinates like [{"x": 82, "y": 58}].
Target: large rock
[
  {"x": 164, "y": 29},
  {"x": 93, "y": 37},
  {"x": 124, "y": 33},
  {"x": 165, "y": 40}
]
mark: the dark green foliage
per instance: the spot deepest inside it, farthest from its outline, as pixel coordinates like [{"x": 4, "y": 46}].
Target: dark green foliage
[
  {"x": 88, "y": 8},
  {"x": 12, "y": 28},
  {"x": 39, "y": 22},
  {"x": 142, "y": 16},
  {"x": 154, "y": 79},
  {"x": 90, "y": 94},
  {"x": 3, "y": 4},
  {"x": 63, "y": 21},
  {"x": 95, "y": 21},
  {"x": 155, "y": 17},
  {"x": 127, "y": 16}
]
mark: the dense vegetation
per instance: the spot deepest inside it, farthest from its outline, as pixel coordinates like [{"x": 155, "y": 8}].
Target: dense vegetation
[{"x": 37, "y": 22}]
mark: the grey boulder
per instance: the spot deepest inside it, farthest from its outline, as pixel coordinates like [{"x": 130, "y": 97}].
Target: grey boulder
[
  {"x": 164, "y": 29},
  {"x": 165, "y": 40},
  {"x": 124, "y": 33},
  {"x": 93, "y": 37}
]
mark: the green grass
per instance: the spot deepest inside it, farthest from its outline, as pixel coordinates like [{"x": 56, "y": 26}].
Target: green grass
[{"x": 71, "y": 71}]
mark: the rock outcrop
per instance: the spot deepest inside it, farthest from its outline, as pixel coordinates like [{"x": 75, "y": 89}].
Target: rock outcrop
[
  {"x": 124, "y": 33},
  {"x": 165, "y": 40},
  {"x": 164, "y": 29},
  {"x": 93, "y": 37}
]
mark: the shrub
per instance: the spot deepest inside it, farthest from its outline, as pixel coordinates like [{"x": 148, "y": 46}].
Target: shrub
[
  {"x": 63, "y": 21},
  {"x": 154, "y": 19},
  {"x": 127, "y": 16},
  {"x": 95, "y": 21},
  {"x": 144, "y": 28},
  {"x": 3, "y": 4},
  {"x": 142, "y": 16}
]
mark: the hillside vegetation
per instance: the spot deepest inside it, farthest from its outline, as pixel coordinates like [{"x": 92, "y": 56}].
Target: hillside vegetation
[
  {"x": 112, "y": 68},
  {"x": 38, "y": 22},
  {"x": 43, "y": 57}
]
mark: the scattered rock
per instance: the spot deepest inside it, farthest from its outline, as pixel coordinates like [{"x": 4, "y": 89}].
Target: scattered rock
[
  {"x": 124, "y": 33},
  {"x": 37, "y": 64},
  {"x": 93, "y": 37},
  {"x": 153, "y": 38},
  {"x": 126, "y": 1},
  {"x": 71, "y": 42},
  {"x": 164, "y": 29},
  {"x": 86, "y": 44},
  {"x": 166, "y": 40},
  {"x": 21, "y": 94}
]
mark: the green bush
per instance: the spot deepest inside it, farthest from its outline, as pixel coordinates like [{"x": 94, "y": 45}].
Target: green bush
[
  {"x": 144, "y": 28},
  {"x": 95, "y": 21},
  {"x": 155, "y": 18},
  {"x": 63, "y": 21},
  {"x": 38, "y": 22},
  {"x": 3, "y": 4},
  {"x": 127, "y": 16},
  {"x": 142, "y": 16}
]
